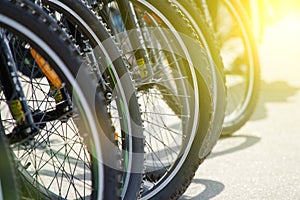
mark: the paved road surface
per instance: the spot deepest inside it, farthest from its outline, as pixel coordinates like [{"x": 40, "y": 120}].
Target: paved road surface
[{"x": 262, "y": 160}]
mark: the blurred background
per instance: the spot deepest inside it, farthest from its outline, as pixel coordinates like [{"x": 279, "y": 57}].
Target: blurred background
[
  {"x": 279, "y": 41},
  {"x": 279, "y": 8}
]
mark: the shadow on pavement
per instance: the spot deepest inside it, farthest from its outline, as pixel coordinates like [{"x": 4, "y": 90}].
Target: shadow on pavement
[
  {"x": 211, "y": 189},
  {"x": 244, "y": 141},
  {"x": 208, "y": 189},
  {"x": 274, "y": 92}
]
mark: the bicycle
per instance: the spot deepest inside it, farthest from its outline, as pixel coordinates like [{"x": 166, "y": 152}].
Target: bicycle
[
  {"x": 48, "y": 115},
  {"x": 8, "y": 182},
  {"x": 170, "y": 83},
  {"x": 257, "y": 11},
  {"x": 240, "y": 57},
  {"x": 89, "y": 33}
]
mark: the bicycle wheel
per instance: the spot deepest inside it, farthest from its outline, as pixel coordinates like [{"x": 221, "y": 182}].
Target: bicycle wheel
[
  {"x": 205, "y": 34},
  {"x": 9, "y": 189},
  {"x": 175, "y": 95},
  {"x": 122, "y": 103},
  {"x": 241, "y": 61},
  {"x": 64, "y": 155},
  {"x": 255, "y": 10}
]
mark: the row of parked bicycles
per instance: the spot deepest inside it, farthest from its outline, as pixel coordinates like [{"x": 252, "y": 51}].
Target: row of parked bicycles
[{"x": 119, "y": 99}]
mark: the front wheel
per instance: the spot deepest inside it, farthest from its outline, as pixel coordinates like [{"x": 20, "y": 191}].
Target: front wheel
[
  {"x": 241, "y": 61},
  {"x": 175, "y": 98},
  {"x": 8, "y": 182},
  {"x": 59, "y": 145}
]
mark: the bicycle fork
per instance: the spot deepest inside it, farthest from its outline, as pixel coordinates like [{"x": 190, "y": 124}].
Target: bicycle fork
[
  {"x": 13, "y": 92},
  {"x": 126, "y": 20},
  {"x": 29, "y": 122}
]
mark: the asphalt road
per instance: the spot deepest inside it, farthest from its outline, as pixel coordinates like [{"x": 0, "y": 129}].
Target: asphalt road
[{"x": 262, "y": 159}]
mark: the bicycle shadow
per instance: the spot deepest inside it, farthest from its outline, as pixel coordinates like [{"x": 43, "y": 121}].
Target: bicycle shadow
[
  {"x": 205, "y": 189},
  {"x": 274, "y": 92},
  {"x": 235, "y": 143}
]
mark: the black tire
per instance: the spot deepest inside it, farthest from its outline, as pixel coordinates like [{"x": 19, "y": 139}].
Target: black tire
[
  {"x": 241, "y": 61},
  {"x": 256, "y": 12},
  {"x": 121, "y": 85},
  {"x": 169, "y": 34},
  {"x": 9, "y": 189},
  {"x": 212, "y": 101},
  {"x": 205, "y": 34},
  {"x": 25, "y": 22}
]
